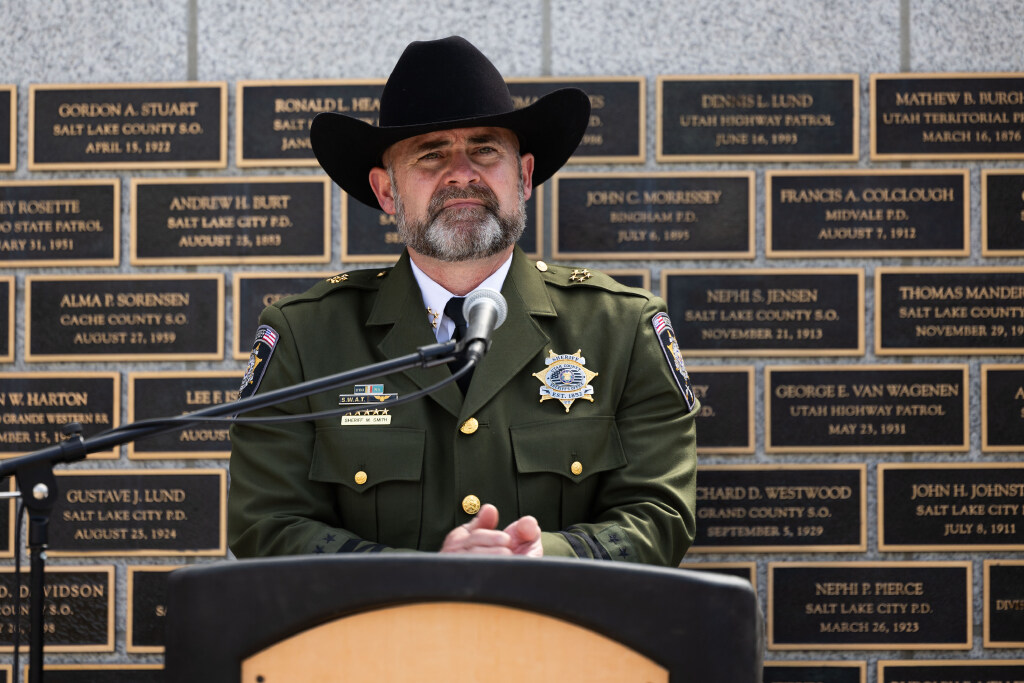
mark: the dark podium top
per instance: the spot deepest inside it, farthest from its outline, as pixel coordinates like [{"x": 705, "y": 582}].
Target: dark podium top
[{"x": 699, "y": 626}]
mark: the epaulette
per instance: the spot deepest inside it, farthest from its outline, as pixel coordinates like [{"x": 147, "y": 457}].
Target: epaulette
[
  {"x": 368, "y": 278},
  {"x": 575, "y": 276}
]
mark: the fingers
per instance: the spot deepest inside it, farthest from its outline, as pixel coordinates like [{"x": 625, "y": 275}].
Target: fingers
[{"x": 486, "y": 518}]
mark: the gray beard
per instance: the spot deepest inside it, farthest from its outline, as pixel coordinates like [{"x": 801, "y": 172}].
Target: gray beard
[{"x": 461, "y": 234}]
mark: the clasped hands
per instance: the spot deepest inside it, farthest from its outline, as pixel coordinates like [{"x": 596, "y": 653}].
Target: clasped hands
[{"x": 481, "y": 536}]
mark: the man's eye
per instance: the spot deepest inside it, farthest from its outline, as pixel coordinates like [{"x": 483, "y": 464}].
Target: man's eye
[{"x": 430, "y": 155}]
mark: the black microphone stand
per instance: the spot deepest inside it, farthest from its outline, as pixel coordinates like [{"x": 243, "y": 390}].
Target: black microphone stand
[{"x": 38, "y": 486}]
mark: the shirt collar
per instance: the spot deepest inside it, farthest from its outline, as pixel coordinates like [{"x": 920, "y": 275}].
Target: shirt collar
[{"x": 435, "y": 297}]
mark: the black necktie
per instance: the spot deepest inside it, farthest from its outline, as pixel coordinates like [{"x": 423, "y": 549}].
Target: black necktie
[{"x": 453, "y": 309}]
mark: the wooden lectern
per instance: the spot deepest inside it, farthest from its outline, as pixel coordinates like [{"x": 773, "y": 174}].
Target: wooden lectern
[{"x": 396, "y": 617}]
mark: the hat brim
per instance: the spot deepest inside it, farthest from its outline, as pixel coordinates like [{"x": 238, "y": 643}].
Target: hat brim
[{"x": 551, "y": 128}]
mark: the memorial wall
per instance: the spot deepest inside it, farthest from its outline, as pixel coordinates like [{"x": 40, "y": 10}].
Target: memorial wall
[{"x": 835, "y": 218}]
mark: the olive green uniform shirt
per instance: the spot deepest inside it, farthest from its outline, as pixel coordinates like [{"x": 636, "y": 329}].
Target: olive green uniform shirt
[{"x": 611, "y": 478}]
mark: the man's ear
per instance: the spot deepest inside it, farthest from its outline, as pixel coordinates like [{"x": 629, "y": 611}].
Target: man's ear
[
  {"x": 526, "y": 161},
  {"x": 380, "y": 182}
]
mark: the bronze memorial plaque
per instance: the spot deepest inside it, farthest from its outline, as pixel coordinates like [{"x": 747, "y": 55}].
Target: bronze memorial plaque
[
  {"x": 870, "y": 606},
  {"x": 231, "y": 220},
  {"x": 104, "y": 673},
  {"x": 781, "y": 508},
  {"x": 140, "y": 512},
  {"x": 8, "y": 127},
  {"x": 1002, "y": 212},
  {"x": 7, "y": 520},
  {"x": 273, "y": 117},
  {"x": 814, "y": 672},
  {"x": 970, "y": 310},
  {"x": 726, "y": 396},
  {"x": 652, "y": 215},
  {"x": 147, "y": 607},
  {"x": 758, "y": 118},
  {"x": 1002, "y": 408},
  {"x": 947, "y": 116},
  {"x": 866, "y": 408},
  {"x": 36, "y": 405},
  {"x": 950, "y": 506},
  {"x": 127, "y": 125},
  {"x": 124, "y": 317},
  {"x": 883, "y": 213},
  {"x": 6, "y": 318},
  {"x": 1004, "y": 603},
  {"x": 154, "y": 395},
  {"x": 770, "y": 312},
  {"x": 252, "y": 292},
  {"x": 60, "y": 222},
  {"x": 78, "y": 609},
  {"x": 951, "y": 671},
  {"x": 618, "y": 114},
  {"x": 368, "y": 235}
]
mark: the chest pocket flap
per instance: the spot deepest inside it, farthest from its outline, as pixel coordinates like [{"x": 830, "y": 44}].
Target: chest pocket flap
[
  {"x": 572, "y": 448},
  {"x": 361, "y": 457}
]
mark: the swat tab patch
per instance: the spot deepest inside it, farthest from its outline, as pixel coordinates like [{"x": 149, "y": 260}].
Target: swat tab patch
[
  {"x": 670, "y": 347},
  {"x": 259, "y": 359}
]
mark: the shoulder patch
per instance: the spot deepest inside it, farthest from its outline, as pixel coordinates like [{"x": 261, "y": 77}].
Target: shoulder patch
[
  {"x": 259, "y": 359},
  {"x": 670, "y": 347}
]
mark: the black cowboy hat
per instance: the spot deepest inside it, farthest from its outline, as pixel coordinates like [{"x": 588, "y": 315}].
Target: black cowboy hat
[{"x": 443, "y": 84}]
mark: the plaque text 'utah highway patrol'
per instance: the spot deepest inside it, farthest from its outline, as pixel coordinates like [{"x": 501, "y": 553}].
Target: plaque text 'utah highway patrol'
[
  {"x": 653, "y": 215},
  {"x": 78, "y": 610},
  {"x": 946, "y": 506},
  {"x": 869, "y": 606},
  {"x": 139, "y": 512},
  {"x": 779, "y": 312},
  {"x": 855, "y": 408},
  {"x": 36, "y": 405},
  {"x": 127, "y": 125},
  {"x": 750, "y": 508},
  {"x": 115, "y": 317},
  {"x": 154, "y": 395},
  {"x": 921, "y": 310},
  {"x": 231, "y": 220},
  {"x": 947, "y": 116},
  {"x": 758, "y": 118},
  {"x": 867, "y": 213},
  {"x": 61, "y": 222}
]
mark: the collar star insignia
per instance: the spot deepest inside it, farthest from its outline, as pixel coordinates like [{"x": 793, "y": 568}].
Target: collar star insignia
[
  {"x": 579, "y": 275},
  {"x": 434, "y": 317},
  {"x": 566, "y": 379}
]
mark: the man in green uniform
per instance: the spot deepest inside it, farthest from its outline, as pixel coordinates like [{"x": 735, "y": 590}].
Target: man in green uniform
[{"x": 577, "y": 427}]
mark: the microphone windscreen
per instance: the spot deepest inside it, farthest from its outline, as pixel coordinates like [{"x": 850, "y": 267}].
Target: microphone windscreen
[{"x": 474, "y": 298}]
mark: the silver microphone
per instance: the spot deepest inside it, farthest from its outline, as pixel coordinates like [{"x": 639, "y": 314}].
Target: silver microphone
[{"x": 485, "y": 311}]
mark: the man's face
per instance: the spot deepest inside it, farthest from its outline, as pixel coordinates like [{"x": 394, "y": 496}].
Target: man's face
[{"x": 457, "y": 194}]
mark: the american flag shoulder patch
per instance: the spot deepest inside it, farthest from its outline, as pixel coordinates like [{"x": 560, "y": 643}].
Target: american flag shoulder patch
[{"x": 259, "y": 358}]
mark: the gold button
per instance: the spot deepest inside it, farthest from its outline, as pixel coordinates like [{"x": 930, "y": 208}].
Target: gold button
[
  {"x": 576, "y": 468},
  {"x": 469, "y": 426},
  {"x": 542, "y": 267},
  {"x": 471, "y": 504},
  {"x": 360, "y": 477}
]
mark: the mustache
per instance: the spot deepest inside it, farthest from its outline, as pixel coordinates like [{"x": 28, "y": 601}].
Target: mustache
[{"x": 479, "y": 192}]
